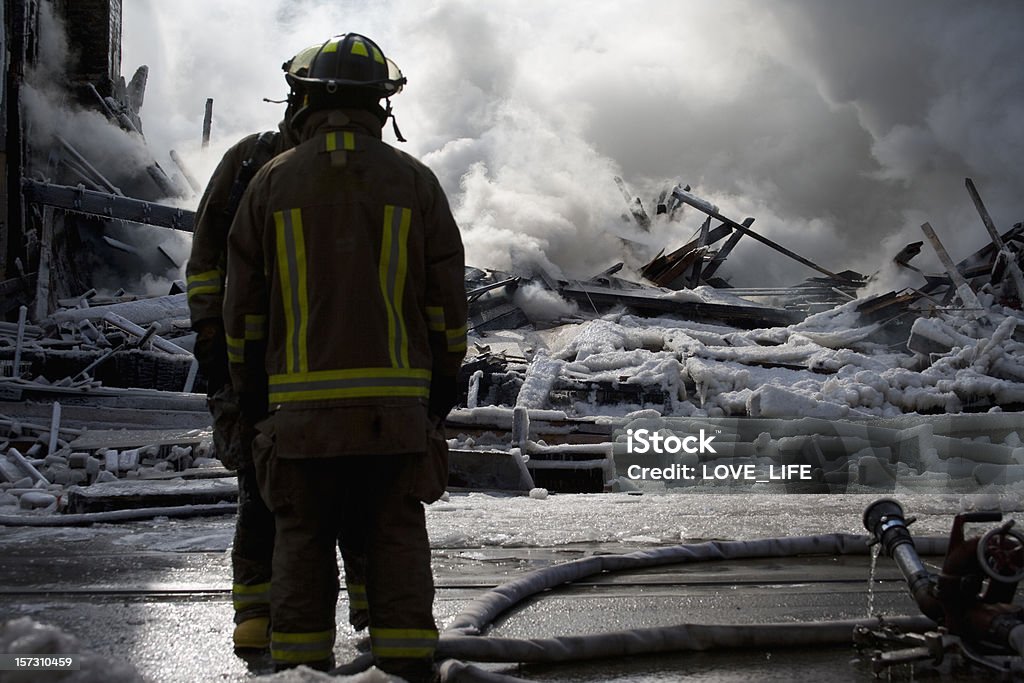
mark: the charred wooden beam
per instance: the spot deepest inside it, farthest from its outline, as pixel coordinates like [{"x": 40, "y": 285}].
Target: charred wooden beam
[
  {"x": 711, "y": 210},
  {"x": 702, "y": 248},
  {"x": 78, "y": 200},
  {"x": 15, "y": 292},
  {"x": 906, "y": 254},
  {"x": 207, "y": 122},
  {"x": 91, "y": 172},
  {"x": 1011, "y": 265},
  {"x": 636, "y": 207},
  {"x": 726, "y": 249},
  {"x": 963, "y": 290},
  {"x": 664, "y": 270},
  {"x": 657, "y": 303}
]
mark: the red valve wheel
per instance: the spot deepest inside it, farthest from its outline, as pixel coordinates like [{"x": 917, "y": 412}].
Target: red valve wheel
[{"x": 1001, "y": 555}]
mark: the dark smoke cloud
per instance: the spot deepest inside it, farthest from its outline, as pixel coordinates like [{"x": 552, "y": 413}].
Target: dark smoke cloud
[{"x": 839, "y": 126}]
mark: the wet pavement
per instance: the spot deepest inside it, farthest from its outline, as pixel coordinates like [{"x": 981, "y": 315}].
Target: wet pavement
[{"x": 156, "y": 594}]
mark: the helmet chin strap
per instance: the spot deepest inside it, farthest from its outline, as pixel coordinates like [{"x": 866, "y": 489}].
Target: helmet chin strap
[{"x": 388, "y": 114}]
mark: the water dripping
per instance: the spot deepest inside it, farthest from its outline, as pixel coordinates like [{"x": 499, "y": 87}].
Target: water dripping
[{"x": 876, "y": 550}]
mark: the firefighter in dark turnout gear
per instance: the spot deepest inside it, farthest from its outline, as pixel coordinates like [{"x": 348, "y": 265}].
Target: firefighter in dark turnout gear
[
  {"x": 252, "y": 549},
  {"x": 345, "y": 289}
]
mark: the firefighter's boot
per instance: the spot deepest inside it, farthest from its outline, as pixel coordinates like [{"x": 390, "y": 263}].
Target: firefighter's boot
[{"x": 253, "y": 634}]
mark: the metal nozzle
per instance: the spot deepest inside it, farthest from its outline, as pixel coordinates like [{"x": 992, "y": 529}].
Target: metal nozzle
[
  {"x": 883, "y": 516},
  {"x": 885, "y": 522}
]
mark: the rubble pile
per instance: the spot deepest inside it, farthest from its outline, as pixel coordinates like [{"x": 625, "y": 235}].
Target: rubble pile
[{"x": 558, "y": 368}]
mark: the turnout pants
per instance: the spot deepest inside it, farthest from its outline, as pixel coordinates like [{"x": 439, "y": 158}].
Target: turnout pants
[
  {"x": 364, "y": 501},
  {"x": 252, "y": 551}
]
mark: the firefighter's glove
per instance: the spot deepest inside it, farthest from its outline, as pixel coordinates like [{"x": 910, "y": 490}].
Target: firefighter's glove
[
  {"x": 211, "y": 353},
  {"x": 227, "y": 425},
  {"x": 444, "y": 395}
]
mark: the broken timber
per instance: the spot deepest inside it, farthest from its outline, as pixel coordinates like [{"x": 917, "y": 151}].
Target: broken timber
[
  {"x": 657, "y": 303},
  {"x": 90, "y": 202},
  {"x": 712, "y": 211},
  {"x": 1015, "y": 275},
  {"x": 963, "y": 290}
]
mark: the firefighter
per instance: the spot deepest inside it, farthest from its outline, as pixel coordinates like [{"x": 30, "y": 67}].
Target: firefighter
[
  {"x": 345, "y": 290},
  {"x": 252, "y": 550}
]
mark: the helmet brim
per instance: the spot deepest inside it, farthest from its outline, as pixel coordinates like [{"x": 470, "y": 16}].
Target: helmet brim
[{"x": 387, "y": 88}]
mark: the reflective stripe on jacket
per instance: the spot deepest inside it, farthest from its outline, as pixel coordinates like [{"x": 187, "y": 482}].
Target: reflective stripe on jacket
[
  {"x": 347, "y": 249},
  {"x": 206, "y": 267}
]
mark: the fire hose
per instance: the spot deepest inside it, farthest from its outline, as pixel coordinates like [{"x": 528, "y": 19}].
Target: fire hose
[{"x": 462, "y": 640}]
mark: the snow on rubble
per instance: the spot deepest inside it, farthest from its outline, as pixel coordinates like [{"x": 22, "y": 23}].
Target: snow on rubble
[
  {"x": 611, "y": 371},
  {"x": 826, "y": 366}
]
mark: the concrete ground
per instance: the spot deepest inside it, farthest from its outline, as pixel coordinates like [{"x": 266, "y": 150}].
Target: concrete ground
[{"x": 156, "y": 594}]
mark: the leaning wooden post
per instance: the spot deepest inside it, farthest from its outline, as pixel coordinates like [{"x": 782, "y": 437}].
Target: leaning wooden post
[
  {"x": 1015, "y": 275},
  {"x": 967, "y": 295},
  {"x": 207, "y": 122}
]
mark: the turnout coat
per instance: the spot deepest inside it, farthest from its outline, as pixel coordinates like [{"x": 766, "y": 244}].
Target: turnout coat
[{"x": 344, "y": 293}]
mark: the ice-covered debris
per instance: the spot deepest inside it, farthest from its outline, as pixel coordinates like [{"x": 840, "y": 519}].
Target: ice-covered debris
[
  {"x": 36, "y": 500},
  {"x": 709, "y": 295},
  {"x": 602, "y": 336},
  {"x": 540, "y": 377},
  {"x": 25, "y": 636},
  {"x": 538, "y": 493},
  {"x": 694, "y": 201},
  {"x": 770, "y": 400},
  {"x": 161, "y": 310}
]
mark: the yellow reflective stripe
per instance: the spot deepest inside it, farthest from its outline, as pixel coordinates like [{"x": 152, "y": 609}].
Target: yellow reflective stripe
[
  {"x": 255, "y": 327},
  {"x": 246, "y": 596},
  {"x": 331, "y": 46},
  {"x": 377, "y": 56},
  {"x": 207, "y": 275},
  {"x": 357, "y": 596},
  {"x": 435, "y": 318},
  {"x": 457, "y": 332},
  {"x": 236, "y": 349},
  {"x": 210, "y": 282},
  {"x": 410, "y": 643},
  {"x": 291, "y": 262},
  {"x": 301, "y": 647},
  {"x": 456, "y": 338},
  {"x": 350, "y": 383},
  {"x": 382, "y": 391},
  {"x": 250, "y": 589},
  {"x": 359, "y": 48},
  {"x": 392, "y": 269},
  {"x": 348, "y": 141}
]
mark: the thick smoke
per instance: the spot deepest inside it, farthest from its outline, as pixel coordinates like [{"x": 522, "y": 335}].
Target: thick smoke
[
  {"x": 839, "y": 126},
  {"x": 52, "y": 114}
]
